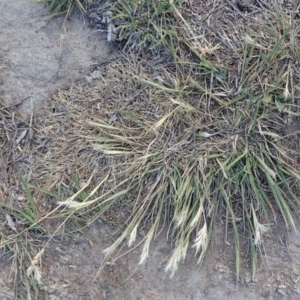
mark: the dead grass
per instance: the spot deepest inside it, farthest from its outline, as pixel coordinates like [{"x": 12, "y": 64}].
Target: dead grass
[
  {"x": 182, "y": 144},
  {"x": 232, "y": 87}
]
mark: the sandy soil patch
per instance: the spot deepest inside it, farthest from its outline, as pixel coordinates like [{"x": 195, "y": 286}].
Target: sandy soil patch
[{"x": 43, "y": 57}]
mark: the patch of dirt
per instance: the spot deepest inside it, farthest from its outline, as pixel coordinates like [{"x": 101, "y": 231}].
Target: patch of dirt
[
  {"x": 277, "y": 277},
  {"x": 69, "y": 267},
  {"x": 42, "y": 57}
]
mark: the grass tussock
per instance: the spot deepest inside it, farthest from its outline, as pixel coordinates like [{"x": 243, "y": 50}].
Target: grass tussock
[
  {"x": 190, "y": 149},
  {"x": 146, "y": 25},
  {"x": 207, "y": 141},
  {"x": 64, "y": 7}
]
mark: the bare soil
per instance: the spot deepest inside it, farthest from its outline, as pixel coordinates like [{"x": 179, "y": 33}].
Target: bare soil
[
  {"x": 70, "y": 275},
  {"x": 69, "y": 267},
  {"x": 39, "y": 60},
  {"x": 40, "y": 56}
]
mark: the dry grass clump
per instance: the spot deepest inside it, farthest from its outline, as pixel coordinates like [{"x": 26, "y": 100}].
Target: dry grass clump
[
  {"x": 207, "y": 141},
  {"x": 18, "y": 213},
  {"x": 187, "y": 150}
]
